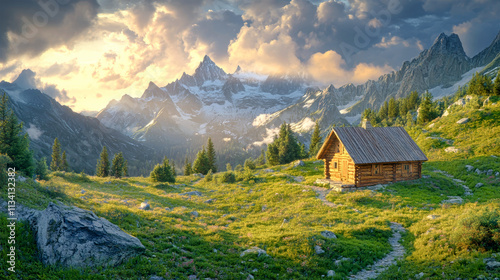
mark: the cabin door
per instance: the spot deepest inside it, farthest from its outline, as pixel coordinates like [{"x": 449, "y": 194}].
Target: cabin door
[{"x": 345, "y": 169}]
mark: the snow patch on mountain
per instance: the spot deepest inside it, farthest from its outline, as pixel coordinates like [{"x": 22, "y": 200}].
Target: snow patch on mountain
[
  {"x": 268, "y": 138},
  {"x": 441, "y": 91},
  {"x": 304, "y": 125},
  {"x": 33, "y": 132}
]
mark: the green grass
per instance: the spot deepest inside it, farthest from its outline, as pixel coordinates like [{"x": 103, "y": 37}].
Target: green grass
[{"x": 273, "y": 211}]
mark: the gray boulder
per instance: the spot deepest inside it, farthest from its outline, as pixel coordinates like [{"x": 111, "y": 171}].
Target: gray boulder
[
  {"x": 254, "y": 250},
  {"x": 469, "y": 168},
  {"x": 464, "y": 120},
  {"x": 318, "y": 250},
  {"x": 197, "y": 193},
  {"x": 145, "y": 206},
  {"x": 328, "y": 234},
  {"x": 478, "y": 185},
  {"x": 298, "y": 163},
  {"x": 73, "y": 237}
]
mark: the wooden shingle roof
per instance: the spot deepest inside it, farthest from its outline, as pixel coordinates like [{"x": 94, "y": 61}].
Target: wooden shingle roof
[{"x": 375, "y": 145}]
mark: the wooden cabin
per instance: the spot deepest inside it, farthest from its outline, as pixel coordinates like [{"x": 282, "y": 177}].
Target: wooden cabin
[{"x": 365, "y": 156}]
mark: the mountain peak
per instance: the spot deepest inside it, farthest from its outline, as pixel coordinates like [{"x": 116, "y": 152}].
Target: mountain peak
[
  {"x": 26, "y": 79},
  {"x": 206, "y": 59},
  {"x": 208, "y": 70},
  {"x": 238, "y": 69},
  {"x": 447, "y": 44}
]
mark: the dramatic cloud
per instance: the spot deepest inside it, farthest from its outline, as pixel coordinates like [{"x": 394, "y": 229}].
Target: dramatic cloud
[
  {"x": 31, "y": 27},
  {"x": 28, "y": 80},
  {"x": 102, "y": 49}
]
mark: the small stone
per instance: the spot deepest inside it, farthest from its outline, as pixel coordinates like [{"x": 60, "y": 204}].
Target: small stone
[
  {"x": 464, "y": 120},
  {"x": 479, "y": 172},
  {"x": 211, "y": 200},
  {"x": 491, "y": 264},
  {"x": 419, "y": 275},
  {"x": 451, "y": 150},
  {"x": 154, "y": 277},
  {"x": 489, "y": 172},
  {"x": 264, "y": 208},
  {"x": 433, "y": 217},
  {"x": 478, "y": 185},
  {"x": 469, "y": 168},
  {"x": 192, "y": 277},
  {"x": 330, "y": 273},
  {"x": 254, "y": 250},
  {"x": 145, "y": 206},
  {"x": 328, "y": 234},
  {"x": 196, "y": 193},
  {"x": 167, "y": 209},
  {"x": 299, "y": 179},
  {"x": 453, "y": 200},
  {"x": 195, "y": 214},
  {"x": 298, "y": 163},
  {"x": 82, "y": 191},
  {"x": 318, "y": 250},
  {"x": 250, "y": 277},
  {"x": 268, "y": 170}
]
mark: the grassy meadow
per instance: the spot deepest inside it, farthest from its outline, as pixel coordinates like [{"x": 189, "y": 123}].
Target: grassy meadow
[{"x": 189, "y": 235}]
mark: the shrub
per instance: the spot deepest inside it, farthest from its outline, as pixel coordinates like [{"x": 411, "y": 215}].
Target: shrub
[
  {"x": 209, "y": 177},
  {"x": 249, "y": 163},
  {"x": 228, "y": 177},
  {"x": 478, "y": 229}
]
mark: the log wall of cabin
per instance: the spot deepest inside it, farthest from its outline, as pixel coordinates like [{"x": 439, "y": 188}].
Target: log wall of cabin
[
  {"x": 341, "y": 157},
  {"x": 389, "y": 172}
]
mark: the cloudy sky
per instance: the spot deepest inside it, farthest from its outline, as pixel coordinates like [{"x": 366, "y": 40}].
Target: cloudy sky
[{"x": 87, "y": 52}]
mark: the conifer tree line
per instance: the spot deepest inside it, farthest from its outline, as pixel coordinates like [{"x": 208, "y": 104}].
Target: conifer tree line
[
  {"x": 401, "y": 112},
  {"x": 117, "y": 169},
  {"x": 14, "y": 144},
  {"x": 59, "y": 161}
]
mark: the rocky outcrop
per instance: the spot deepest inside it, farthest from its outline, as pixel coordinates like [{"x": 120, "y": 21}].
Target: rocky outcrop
[{"x": 73, "y": 237}]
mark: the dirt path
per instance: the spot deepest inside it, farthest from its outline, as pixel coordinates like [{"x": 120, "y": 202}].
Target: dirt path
[
  {"x": 381, "y": 265},
  {"x": 390, "y": 259},
  {"x": 455, "y": 181},
  {"x": 322, "y": 192}
]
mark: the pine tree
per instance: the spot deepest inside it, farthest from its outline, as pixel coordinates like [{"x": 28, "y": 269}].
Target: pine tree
[
  {"x": 272, "y": 154},
  {"x": 173, "y": 168},
  {"x": 64, "y": 162},
  {"x": 102, "y": 168},
  {"x": 187, "y": 168},
  {"x": 425, "y": 113},
  {"x": 261, "y": 160},
  {"x": 409, "y": 119},
  {"x": 284, "y": 148},
  {"x": 4, "y": 161},
  {"x": 316, "y": 141},
  {"x": 496, "y": 86},
  {"x": 41, "y": 170},
  {"x": 393, "y": 109},
  {"x": 212, "y": 161},
  {"x": 117, "y": 165},
  {"x": 55, "y": 164},
  {"x": 13, "y": 142},
  {"x": 125, "y": 168},
  {"x": 413, "y": 100},
  {"x": 201, "y": 163},
  {"x": 382, "y": 113},
  {"x": 229, "y": 167},
  {"x": 163, "y": 172}
]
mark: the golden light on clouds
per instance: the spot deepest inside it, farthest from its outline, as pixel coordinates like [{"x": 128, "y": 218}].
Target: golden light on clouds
[{"x": 101, "y": 52}]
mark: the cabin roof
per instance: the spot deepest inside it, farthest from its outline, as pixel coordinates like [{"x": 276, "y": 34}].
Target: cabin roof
[{"x": 375, "y": 145}]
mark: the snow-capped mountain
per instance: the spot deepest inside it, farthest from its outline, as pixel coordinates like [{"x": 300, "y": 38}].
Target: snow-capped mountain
[{"x": 209, "y": 102}]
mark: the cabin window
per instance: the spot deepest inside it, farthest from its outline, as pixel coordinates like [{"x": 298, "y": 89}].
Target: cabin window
[
  {"x": 406, "y": 168},
  {"x": 337, "y": 147},
  {"x": 335, "y": 165},
  {"x": 375, "y": 169}
]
